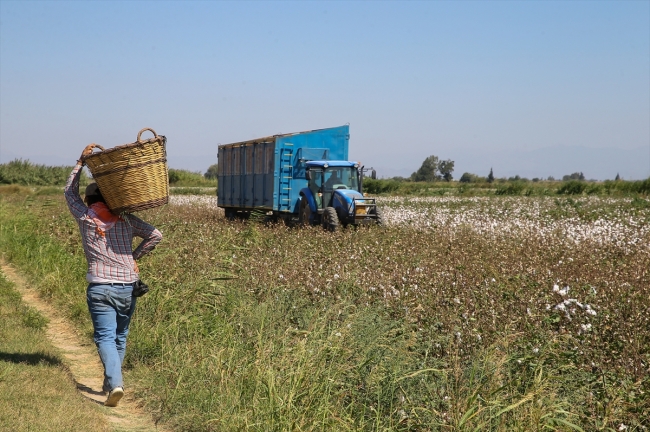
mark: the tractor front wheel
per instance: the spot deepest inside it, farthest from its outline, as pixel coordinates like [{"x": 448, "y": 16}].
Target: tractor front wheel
[
  {"x": 330, "y": 219},
  {"x": 305, "y": 212},
  {"x": 379, "y": 216}
]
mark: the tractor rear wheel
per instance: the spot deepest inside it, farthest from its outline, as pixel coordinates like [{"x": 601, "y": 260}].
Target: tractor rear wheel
[{"x": 330, "y": 219}]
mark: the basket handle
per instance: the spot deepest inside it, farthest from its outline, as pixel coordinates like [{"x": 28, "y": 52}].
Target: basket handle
[
  {"x": 94, "y": 146},
  {"x": 84, "y": 156},
  {"x": 146, "y": 129}
]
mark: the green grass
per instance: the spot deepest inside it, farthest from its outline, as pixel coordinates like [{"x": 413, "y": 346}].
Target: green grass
[
  {"x": 185, "y": 178},
  {"x": 36, "y": 391},
  {"x": 26, "y": 173},
  {"x": 249, "y": 327}
]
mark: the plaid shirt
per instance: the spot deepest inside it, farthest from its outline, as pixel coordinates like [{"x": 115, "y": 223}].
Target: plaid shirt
[{"x": 110, "y": 258}]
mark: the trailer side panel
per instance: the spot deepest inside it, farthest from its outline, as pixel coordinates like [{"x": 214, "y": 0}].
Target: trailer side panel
[{"x": 268, "y": 173}]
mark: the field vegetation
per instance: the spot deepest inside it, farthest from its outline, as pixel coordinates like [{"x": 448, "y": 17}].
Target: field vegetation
[
  {"x": 514, "y": 186},
  {"x": 185, "y": 178},
  {"x": 45, "y": 179},
  {"x": 462, "y": 313},
  {"x": 185, "y": 182},
  {"x": 25, "y": 173}
]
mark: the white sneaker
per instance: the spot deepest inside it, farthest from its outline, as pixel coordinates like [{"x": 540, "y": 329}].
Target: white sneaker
[{"x": 114, "y": 397}]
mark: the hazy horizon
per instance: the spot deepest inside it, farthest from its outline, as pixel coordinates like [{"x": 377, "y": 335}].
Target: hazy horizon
[{"x": 534, "y": 89}]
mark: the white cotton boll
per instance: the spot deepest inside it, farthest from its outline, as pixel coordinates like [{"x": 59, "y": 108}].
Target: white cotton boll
[
  {"x": 456, "y": 300},
  {"x": 556, "y": 288}
]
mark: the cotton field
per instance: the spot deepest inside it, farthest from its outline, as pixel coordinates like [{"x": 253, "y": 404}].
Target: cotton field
[{"x": 594, "y": 219}]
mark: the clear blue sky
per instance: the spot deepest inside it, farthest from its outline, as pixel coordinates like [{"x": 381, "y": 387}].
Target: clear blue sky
[{"x": 530, "y": 88}]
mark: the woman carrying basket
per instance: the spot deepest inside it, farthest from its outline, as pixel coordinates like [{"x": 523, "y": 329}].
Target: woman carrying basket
[{"x": 112, "y": 272}]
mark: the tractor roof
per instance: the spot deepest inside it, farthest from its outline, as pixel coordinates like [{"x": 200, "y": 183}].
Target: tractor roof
[{"x": 330, "y": 163}]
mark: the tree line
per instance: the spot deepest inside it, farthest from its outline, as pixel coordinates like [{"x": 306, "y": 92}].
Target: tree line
[{"x": 435, "y": 169}]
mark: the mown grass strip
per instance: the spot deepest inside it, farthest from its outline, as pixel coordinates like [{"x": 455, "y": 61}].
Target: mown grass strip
[{"x": 36, "y": 391}]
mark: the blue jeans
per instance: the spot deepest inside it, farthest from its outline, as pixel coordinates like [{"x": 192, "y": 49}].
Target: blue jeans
[{"x": 111, "y": 307}]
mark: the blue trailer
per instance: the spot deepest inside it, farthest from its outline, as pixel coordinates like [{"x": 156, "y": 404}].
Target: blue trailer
[{"x": 290, "y": 177}]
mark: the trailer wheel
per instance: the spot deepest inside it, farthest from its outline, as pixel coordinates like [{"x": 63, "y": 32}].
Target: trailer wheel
[
  {"x": 330, "y": 219},
  {"x": 305, "y": 212}
]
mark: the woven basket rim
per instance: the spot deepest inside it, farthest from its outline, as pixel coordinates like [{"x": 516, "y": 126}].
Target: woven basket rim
[
  {"x": 157, "y": 138},
  {"x": 145, "y": 205}
]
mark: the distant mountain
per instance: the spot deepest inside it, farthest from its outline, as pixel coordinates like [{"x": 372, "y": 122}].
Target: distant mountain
[{"x": 557, "y": 161}]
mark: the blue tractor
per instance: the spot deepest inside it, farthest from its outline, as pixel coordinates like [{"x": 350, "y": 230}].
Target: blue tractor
[
  {"x": 300, "y": 177},
  {"x": 333, "y": 196}
]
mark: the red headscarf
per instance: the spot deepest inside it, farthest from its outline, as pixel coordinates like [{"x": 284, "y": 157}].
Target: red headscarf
[{"x": 102, "y": 216}]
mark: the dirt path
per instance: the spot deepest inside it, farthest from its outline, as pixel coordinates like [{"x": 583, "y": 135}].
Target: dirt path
[{"x": 83, "y": 362}]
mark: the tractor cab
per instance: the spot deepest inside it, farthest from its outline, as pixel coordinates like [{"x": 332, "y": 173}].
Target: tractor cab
[{"x": 326, "y": 177}]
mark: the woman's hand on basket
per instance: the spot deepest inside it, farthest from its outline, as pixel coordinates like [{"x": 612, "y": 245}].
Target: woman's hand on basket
[{"x": 87, "y": 152}]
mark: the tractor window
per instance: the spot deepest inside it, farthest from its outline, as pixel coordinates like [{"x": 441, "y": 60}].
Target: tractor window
[
  {"x": 315, "y": 184},
  {"x": 316, "y": 180},
  {"x": 341, "y": 178}
]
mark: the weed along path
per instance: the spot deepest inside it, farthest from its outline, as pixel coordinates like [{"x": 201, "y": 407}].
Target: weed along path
[{"x": 82, "y": 361}]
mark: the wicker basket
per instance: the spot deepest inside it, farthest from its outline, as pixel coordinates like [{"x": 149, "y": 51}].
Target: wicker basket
[{"x": 132, "y": 177}]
